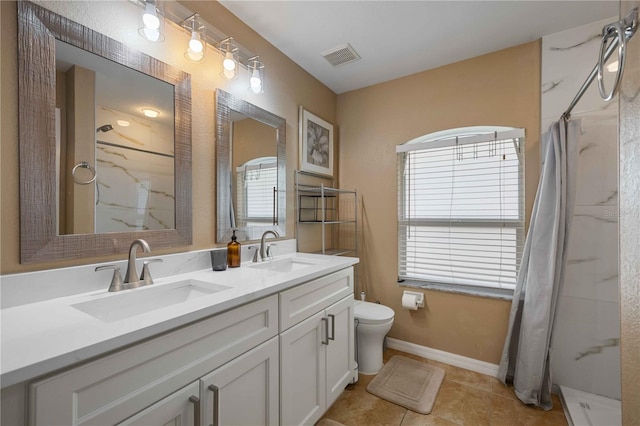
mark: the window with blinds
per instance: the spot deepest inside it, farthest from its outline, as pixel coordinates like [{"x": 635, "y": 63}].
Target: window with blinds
[
  {"x": 256, "y": 182},
  {"x": 461, "y": 207}
]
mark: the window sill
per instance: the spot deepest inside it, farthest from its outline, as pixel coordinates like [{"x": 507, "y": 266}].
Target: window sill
[{"x": 490, "y": 293}]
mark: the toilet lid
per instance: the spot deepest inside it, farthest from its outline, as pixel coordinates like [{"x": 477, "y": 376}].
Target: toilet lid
[{"x": 372, "y": 313}]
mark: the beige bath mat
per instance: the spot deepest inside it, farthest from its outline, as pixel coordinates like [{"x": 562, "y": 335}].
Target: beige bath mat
[{"x": 409, "y": 383}]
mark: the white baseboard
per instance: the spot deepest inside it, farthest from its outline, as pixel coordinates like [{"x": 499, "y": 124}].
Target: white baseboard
[{"x": 442, "y": 356}]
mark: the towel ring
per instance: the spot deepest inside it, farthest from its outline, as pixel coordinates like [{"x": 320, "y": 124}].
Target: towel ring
[
  {"x": 608, "y": 31},
  {"x": 84, "y": 165}
]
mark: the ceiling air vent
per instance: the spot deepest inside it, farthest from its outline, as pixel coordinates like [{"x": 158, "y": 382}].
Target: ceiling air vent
[{"x": 341, "y": 55}]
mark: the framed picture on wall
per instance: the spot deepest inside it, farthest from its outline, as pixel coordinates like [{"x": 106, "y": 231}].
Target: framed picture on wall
[{"x": 316, "y": 144}]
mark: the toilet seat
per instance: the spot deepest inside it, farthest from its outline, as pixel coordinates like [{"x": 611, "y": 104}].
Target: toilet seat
[{"x": 372, "y": 313}]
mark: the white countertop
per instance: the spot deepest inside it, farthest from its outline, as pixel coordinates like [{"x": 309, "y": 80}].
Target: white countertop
[{"x": 38, "y": 338}]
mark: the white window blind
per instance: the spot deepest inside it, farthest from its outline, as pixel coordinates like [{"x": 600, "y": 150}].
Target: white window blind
[
  {"x": 461, "y": 209},
  {"x": 256, "y": 183}
]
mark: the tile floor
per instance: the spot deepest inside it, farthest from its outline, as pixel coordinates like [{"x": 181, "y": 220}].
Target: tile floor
[{"x": 465, "y": 398}]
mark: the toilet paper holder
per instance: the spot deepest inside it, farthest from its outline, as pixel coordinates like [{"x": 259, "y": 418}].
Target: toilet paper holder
[{"x": 419, "y": 297}]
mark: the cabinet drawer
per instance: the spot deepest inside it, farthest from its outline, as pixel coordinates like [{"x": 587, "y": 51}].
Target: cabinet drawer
[
  {"x": 302, "y": 301},
  {"x": 112, "y": 388}
]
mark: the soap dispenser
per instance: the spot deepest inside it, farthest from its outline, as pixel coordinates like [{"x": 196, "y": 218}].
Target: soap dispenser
[{"x": 233, "y": 252}]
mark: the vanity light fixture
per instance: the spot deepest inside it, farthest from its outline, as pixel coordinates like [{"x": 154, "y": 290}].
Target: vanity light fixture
[
  {"x": 256, "y": 70},
  {"x": 151, "y": 113},
  {"x": 196, "y": 47},
  {"x": 152, "y": 21},
  {"x": 230, "y": 65}
]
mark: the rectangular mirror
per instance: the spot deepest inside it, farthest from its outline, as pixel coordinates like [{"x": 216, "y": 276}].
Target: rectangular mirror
[
  {"x": 96, "y": 172},
  {"x": 251, "y": 165}
]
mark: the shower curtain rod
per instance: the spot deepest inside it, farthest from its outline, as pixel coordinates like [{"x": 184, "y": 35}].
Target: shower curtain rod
[{"x": 622, "y": 30}]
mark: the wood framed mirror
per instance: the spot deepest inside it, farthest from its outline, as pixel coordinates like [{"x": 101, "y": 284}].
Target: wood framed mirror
[{"x": 52, "y": 172}]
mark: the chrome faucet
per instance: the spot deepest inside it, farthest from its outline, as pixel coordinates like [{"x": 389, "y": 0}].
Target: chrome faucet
[
  {"x": 263, "y": 253},
  {"x": 132, "y": 275},
  {"x": 131, "y": 279}
]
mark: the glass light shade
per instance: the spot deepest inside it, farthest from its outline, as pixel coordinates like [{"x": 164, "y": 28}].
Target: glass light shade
[
  {"x": 229, "y": 62},
  {"x": 195, "y": 44},
  {"x": 151, "y": 34},
  {"x": 255, "y": 81},
  {"x": 152, "y": 22},
  {"x": 194, "y": 56},
  {"x": 150, "y": 17}
]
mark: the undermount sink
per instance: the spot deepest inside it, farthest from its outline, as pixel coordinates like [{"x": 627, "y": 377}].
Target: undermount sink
[
  {"x": 289, "y": 264},
  {"x": 135, "y": 302}
]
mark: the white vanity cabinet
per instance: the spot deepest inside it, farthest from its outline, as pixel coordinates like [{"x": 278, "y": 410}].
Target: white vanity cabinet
[
  {"x": 113, "y": 388},
  {"x": 244, "y": 391},
  {"x": 317, "y": 347},
  {"x": 241, "y": 392},
  {"x": 281, "y": 359}
]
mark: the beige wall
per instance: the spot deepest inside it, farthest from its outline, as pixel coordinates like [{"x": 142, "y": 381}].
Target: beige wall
[
  {"x": 502, "y": 89},
  {"x": 287, "y": 86}
]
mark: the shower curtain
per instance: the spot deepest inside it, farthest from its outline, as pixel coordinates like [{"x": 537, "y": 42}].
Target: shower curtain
[{"x": 525, "y": 357}]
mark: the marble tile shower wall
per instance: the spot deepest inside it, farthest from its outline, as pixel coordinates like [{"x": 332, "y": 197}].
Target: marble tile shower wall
[
  {"x": 140, "y": 158},
  {"x": 586, "y": 338}
]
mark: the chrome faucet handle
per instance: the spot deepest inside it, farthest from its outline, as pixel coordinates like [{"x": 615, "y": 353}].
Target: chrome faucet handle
[
  {"x": 255, "y": 254},
  {"x": 145, "y": 277},
  {"x": 116, "y": 280},
  {"x": 269, "y": 251}
]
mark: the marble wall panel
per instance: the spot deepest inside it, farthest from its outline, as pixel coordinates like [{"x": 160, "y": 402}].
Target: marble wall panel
[
  {"x": 585, "y": 350},
  {"x": 585, "y": 344},
  {"x": 567, "y": 59},
  {"x": 136, "y": 190},
  {"x": 592, "y": 267},
  {"x": 597, "y": 172}
]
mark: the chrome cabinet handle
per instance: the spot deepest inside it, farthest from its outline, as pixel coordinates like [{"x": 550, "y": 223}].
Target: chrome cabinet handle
[
  {"x": 326, "y": 330},
  {"x": 333, "y": 327},
  {"x": 216, "y": 404},
  {"x": 196, "y": 409}
]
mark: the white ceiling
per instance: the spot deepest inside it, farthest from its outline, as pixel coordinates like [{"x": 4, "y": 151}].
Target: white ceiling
[{"x": 399, "y": 38}]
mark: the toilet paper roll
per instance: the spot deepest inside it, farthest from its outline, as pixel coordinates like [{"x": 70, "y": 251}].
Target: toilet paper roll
[{"x": 410, "y": 301}]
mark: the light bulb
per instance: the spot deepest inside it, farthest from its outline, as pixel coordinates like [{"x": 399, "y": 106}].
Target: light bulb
[
  {"x": 229, "y": 74},
  {"x": 195, "y": 44},
  {"x": 255, "y": 81},
  {"x": 150, "y": 17},
  {"x": 229, "y": 62}
]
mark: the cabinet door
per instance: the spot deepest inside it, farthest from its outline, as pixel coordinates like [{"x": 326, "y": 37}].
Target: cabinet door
[
  {"x": 340, "y": 350},
  {"x": 244, "y": 391},
  {"x": 181, "y": 408},
  {"x": 302, "y": 372}
]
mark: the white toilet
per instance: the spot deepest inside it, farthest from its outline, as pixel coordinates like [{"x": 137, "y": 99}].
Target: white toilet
[{"x": 373, "y": 323}]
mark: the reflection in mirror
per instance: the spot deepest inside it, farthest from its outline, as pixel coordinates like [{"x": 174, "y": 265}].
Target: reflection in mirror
[
  {"x": 251, "y": 169},
  {"x": 115, "y": 166},
  {"x": 72, "y": 131}
]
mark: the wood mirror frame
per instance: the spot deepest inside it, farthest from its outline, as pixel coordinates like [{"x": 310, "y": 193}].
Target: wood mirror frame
[{"x": 39, "y": 240}]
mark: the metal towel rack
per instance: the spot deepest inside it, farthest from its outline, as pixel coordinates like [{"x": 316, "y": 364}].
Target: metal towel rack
[{"x": 621, "y": 32}]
